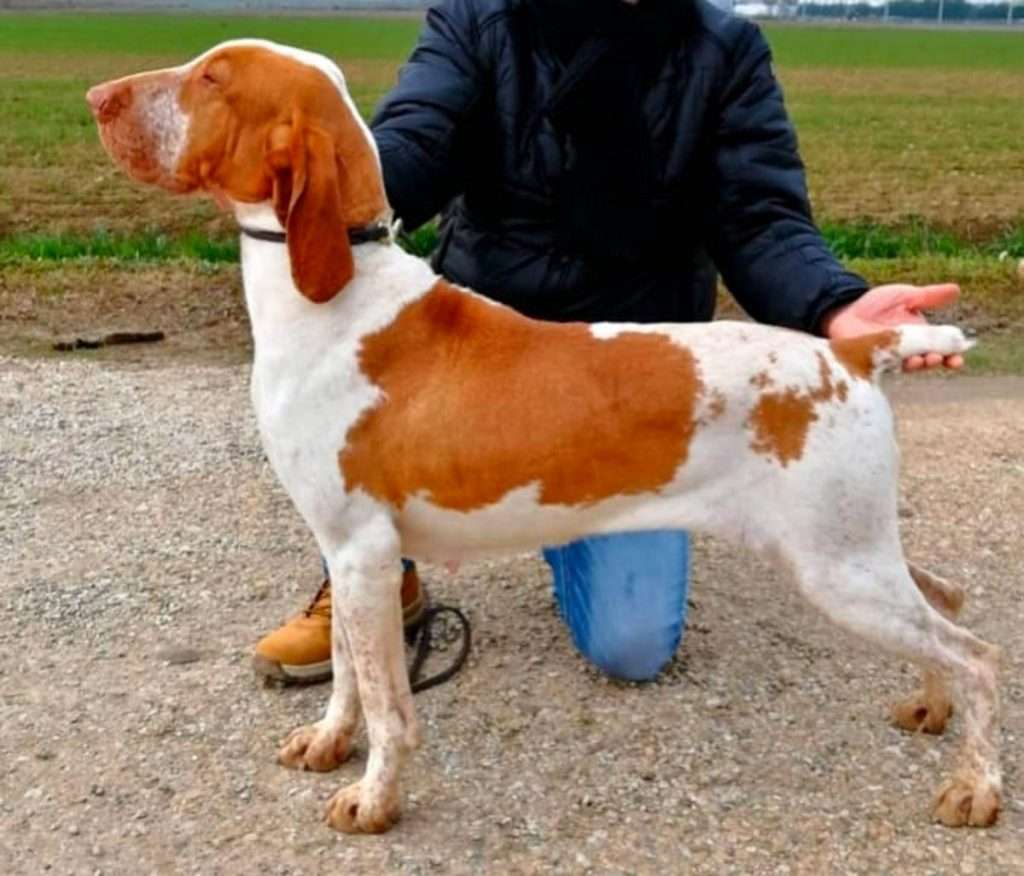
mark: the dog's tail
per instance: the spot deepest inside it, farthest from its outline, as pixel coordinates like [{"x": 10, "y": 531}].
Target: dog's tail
[{"x": 871, "y": 355}]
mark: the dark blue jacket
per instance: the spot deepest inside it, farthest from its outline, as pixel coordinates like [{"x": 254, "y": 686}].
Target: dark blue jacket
[{"x": 482, "y": 125}]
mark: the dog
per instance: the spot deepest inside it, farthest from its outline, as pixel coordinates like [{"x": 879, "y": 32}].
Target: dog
[{"x": 406, "y": 416}]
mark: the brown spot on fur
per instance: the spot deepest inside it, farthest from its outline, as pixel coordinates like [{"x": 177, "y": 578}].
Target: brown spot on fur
[
  {"x": 858, "y": 354},
  {"x": 827, "y": 391},
  {"x": 780, "y": 420},
  {"x": 479, "y": 400},
  {"x": 716, "y": 407},
  {"x": 761, "y": 380}
]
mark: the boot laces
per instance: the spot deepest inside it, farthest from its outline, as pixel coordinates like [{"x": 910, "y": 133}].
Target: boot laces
[{"x": 320, "y": 604}]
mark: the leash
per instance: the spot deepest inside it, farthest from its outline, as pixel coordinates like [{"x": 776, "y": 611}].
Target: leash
[{"x": 420, "y": 639}]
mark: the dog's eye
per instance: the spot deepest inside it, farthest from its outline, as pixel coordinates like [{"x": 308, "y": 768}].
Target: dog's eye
[{"x": 216, "y": 72}]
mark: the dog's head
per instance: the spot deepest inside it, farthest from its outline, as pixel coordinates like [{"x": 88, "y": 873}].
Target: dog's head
[{"x": 253, "y": 122}]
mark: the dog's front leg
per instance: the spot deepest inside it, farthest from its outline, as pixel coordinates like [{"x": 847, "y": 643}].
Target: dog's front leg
[
  {"x": 325, "y": 745},
  {"x": 366, "y": 576}
]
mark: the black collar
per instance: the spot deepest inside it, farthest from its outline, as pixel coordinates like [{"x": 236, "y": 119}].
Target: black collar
[{"x": 357, "y": 235}]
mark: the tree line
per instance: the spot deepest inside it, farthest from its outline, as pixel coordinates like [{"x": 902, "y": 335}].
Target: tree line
[{"x": 952, "y": 10}]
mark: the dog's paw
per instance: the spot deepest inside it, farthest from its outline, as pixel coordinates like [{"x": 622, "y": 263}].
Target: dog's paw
[
  {"x": 314, "y": 748},
  {"x": 356, "y": 809},
  {"x": 967, "y": 799},
  {"x": 919, "y": 713}
]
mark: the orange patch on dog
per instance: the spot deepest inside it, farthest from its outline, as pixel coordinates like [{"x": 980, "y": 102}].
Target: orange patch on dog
[
  {"x": 478, "y": 401},
  {"x": 243, "y": 127},
  {"x": 780, "y": 420},
  {"x": 858, "y": 354}
]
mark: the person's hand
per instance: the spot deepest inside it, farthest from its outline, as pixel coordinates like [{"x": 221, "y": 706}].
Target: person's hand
[{"x": 884, "y": 307}]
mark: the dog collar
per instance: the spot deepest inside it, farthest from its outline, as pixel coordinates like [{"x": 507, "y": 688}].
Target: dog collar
[{"x": 357, "y": 235}]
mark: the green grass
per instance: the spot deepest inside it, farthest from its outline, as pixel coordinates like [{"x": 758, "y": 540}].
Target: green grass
[
  {"x": 922, "y": 123},
  {"x": 364, "y": 37},
  {"x": 888, "y": 48},
  {"x": 39, "y": 117},
  {"x": 153, "y": 246},
  {"x": 44, "y": 112},
  {"x": 421, "y": 242},
  {"x": 1012, "y": 242},
  {"x": 189, "y": 34},
  {"x": 872, "y": 240},
  {"x": 997, "y": 354},
  {"x": 145, "y": 247},
  {"x": 857, "y": 240}
]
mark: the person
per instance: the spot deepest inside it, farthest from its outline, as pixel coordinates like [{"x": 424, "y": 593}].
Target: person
[{"x": 605, "y": 160}]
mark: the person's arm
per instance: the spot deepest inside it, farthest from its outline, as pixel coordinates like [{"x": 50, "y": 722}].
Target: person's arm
[
  {"x": 764, "y": 242},
  {"x": 418, "y": 124},
  {"x": 771, "y": 256}
]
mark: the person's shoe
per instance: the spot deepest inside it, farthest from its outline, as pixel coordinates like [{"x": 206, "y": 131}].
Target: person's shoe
[{"x": 299, "y": 652}]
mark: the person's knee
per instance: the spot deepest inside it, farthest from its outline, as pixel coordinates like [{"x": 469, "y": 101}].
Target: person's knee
[
  {"x": 624, "y": 599},
  {"x": 630, "y": 657}
]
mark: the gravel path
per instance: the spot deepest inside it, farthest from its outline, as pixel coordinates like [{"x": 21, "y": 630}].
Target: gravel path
[{"x": 145, "y": 545}]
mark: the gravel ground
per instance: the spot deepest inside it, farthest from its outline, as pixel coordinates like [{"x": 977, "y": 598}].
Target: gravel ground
[{"x": 146, "y": 545}]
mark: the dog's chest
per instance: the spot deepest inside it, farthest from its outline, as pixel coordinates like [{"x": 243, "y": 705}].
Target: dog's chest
[
  {"x": 304, "y": 410},
  {"x": 307, "y": 386}
]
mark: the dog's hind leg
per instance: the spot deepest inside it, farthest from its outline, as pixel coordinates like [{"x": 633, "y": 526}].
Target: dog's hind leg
[
  {"x": 927, "y": 709},
  {"x": 366, "y": 577},
  {"x": 872, "y": 594}
]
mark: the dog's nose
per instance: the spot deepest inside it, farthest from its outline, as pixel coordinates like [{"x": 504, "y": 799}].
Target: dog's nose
[{"x": 107, "y": 100}]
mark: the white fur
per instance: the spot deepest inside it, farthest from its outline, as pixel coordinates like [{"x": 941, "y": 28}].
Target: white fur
[
  {"x": 917, "y": 340},
  {"x": 168, "y": 120}
]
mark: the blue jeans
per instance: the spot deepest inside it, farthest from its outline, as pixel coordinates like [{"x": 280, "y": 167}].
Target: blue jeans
[{"x": 623, "y": 598}]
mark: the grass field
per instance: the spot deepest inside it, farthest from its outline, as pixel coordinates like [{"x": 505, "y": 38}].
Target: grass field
[
  {"x": 893, "y": 123},
  {"x": 913, "y": 139}
]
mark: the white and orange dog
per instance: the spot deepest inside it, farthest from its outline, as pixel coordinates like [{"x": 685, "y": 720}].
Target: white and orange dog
[{"x": 406, "y": 416}]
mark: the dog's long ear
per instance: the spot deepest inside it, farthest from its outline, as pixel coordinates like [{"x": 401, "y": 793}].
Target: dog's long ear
[{"x": 308, "y": 203}]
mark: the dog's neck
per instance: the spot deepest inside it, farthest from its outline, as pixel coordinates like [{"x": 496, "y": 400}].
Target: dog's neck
[{"x": 285, "y": 322}]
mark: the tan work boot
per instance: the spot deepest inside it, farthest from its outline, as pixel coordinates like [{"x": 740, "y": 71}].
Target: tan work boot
[{"x": 299, "y": 652}]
